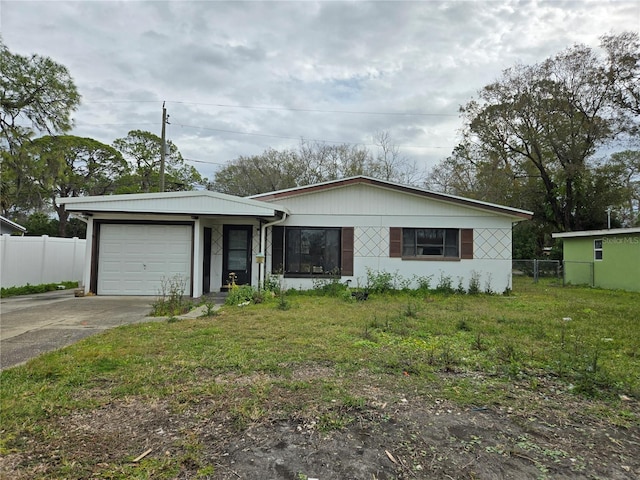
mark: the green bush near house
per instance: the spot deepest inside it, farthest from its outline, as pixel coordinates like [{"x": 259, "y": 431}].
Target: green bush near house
[{"x": 31, "y": 289}]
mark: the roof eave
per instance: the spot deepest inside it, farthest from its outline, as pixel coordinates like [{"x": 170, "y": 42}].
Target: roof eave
[
  {"x": 596, "y": 233},
  {"x": 515, "y": 213}
]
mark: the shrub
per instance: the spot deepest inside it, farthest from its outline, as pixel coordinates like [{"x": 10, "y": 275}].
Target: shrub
[
  {"x": 379, "y": 281},
  {"x": 273, "y": 283},
  {"x": 240, "y": 295},
  {"x": 474, "y": 283},
  {"x": 423, "y": 282},
  {"x": 331, "y": 286},
  {"x": 445, "y": 284},
  {"x": 31, "y": 289}
]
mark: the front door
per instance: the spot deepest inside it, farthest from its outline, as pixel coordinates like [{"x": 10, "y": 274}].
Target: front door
[{"x": 237, "y": 254}]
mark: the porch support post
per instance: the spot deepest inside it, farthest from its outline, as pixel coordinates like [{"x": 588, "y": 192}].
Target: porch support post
[
  {"x": 196, "y": 261},
  {"x": 88, "y": 257},
  {"x": 263, "y": 247}
]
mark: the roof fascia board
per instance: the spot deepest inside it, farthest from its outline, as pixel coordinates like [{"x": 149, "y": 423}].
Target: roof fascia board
[
  {"x": 12, "y": 224},
  {"x": 70, "y": 202},
  {"x": 596, "y": 233}
]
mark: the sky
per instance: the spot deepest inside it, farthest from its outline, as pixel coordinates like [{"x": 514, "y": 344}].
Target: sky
[{"x": 238, "y": 78}]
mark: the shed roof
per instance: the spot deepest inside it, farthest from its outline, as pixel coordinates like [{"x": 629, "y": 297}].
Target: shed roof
[
  {"x": 201, "y": 202},
  {"x": 12, "y": 225},
  {"x": 596, "y": 233},
  {"x": 443, "y": 197}
]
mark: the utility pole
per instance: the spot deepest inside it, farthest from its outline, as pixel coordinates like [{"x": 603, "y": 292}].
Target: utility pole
[{"x": 163, "y": 147}]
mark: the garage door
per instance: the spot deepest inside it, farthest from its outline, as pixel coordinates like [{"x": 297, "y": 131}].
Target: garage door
[{"x": 135, "y": 259}]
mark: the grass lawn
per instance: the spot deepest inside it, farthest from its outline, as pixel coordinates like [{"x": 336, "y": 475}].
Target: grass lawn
[{"x": 545, "y": 352}]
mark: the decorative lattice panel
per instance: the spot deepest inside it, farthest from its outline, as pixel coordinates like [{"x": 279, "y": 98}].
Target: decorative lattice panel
[
  {"x": 216, "y": 240},
  {"x": 371, "y": 242},
  {"x": 492, "y": 243}
]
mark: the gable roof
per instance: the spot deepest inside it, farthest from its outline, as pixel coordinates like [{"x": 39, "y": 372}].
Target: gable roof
[
  {"x": 12, "y": 225},
  {"x": 597, "y": 233},
  {"x": 201, "y": 202},
  {"x": 359, "y": 180}
]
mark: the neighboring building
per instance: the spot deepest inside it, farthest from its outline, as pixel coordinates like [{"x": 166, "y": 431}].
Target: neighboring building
[
  {"x": 342, "y": 227},
  {"x": 10, "y": 228},
  {"x": 602, "y": 258}
]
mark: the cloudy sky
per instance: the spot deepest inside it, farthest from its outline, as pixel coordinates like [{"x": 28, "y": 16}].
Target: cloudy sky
[{"x": 239, "y": 77}]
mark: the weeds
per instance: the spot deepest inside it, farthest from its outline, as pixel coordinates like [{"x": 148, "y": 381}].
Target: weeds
[
  {"x": 445, "y": 284},
  {"x": 171, "y": 300},
  {"x": 474, "y": 283},
  {"x": 210, "y": 311},
  {"x": 379, "y": 281},
  {"x": 240, "y": 295}
]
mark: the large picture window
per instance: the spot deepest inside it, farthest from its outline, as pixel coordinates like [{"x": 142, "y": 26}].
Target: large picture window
[
  {"x": 431, "y": 242},
  {"x": 312, "y": 251}
]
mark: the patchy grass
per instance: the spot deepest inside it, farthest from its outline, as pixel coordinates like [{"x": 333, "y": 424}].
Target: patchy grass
[{"x": 322, "y": 359}]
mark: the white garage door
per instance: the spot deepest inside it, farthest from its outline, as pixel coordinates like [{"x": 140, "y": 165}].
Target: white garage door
[{"x": 135, "y": 259}]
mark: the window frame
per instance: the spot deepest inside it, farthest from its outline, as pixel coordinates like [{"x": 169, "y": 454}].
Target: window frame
[
  {"x": 444, "y": 245},
  {"x": 598, "y": 250},
  {"x": 336, "y": 271}
]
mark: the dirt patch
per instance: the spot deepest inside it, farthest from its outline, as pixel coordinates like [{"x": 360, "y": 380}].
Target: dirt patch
[{"x": 386, "y": 435}]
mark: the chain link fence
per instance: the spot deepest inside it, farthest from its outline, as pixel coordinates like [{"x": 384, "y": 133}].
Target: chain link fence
[
  {"x": 578, "y": 273},
  {"x": 537, "y": 268}
]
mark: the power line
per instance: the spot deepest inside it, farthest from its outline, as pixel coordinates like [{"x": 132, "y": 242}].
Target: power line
[
  {"x": 116, "y": 124},
  {"x": 316, "y": 110},
  {"x": 296, "y": 138},
  {"x": 202, "y": 161},
  {"x": 289, "y": 109}
]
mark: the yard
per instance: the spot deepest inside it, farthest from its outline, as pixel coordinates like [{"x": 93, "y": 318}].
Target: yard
[{"x": 541, "y": 383}]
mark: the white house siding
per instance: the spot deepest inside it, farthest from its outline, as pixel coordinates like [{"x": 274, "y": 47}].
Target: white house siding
[
  {"x": 217, "y": 244},
  {"x": 373, "y": 210}
]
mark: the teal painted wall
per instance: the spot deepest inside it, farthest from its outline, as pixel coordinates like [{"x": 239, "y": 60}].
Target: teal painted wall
[{"x": 618, "y": 269}]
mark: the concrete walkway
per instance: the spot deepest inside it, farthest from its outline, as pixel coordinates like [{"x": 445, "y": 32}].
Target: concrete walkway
[{"x": 34, "y": 324}]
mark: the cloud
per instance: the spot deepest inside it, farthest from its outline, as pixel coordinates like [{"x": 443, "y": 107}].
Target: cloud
[{"x": 316, "y": 58}]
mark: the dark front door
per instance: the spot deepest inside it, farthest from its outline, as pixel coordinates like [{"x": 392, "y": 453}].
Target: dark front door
[
  {"x": 237, "y": 254},
  {"x": 206, "y": 262}
]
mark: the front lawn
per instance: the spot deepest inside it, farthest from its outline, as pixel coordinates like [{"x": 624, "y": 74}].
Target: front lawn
[{"x": 210, "y": 396}]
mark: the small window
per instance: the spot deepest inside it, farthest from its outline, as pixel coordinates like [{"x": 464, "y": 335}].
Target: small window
[
  {"x": 431, "y": 242},
  {"x": 597, "y": 249}
]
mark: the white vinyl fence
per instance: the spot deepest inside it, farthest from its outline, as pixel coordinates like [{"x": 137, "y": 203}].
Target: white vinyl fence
[{"x": 37, "y": 260}]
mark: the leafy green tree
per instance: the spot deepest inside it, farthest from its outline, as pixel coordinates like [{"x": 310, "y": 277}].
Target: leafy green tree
[
  {"x": 550, "y": 116},
  {"x": 623, "y": 170},
  {"x": 39, "y": 223},
  {"x": 272, "y": 170},
  {"x": 36, "y": 95},
  {"x": 622, "y": 69},
  {"x": 531, "y": 140},
  {"x": 143, "y": 151},
  {"x": 313, "y": 162},
  {"x": 70, "y": 166}
]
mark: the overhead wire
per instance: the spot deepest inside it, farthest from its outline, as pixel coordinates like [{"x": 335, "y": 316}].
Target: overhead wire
[
  {"x": 265, "y": 135},
  {"x": 291, "y": 109}
]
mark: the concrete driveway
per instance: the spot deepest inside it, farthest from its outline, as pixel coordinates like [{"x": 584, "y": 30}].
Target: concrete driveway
[{"x": 35, "y": 324}]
